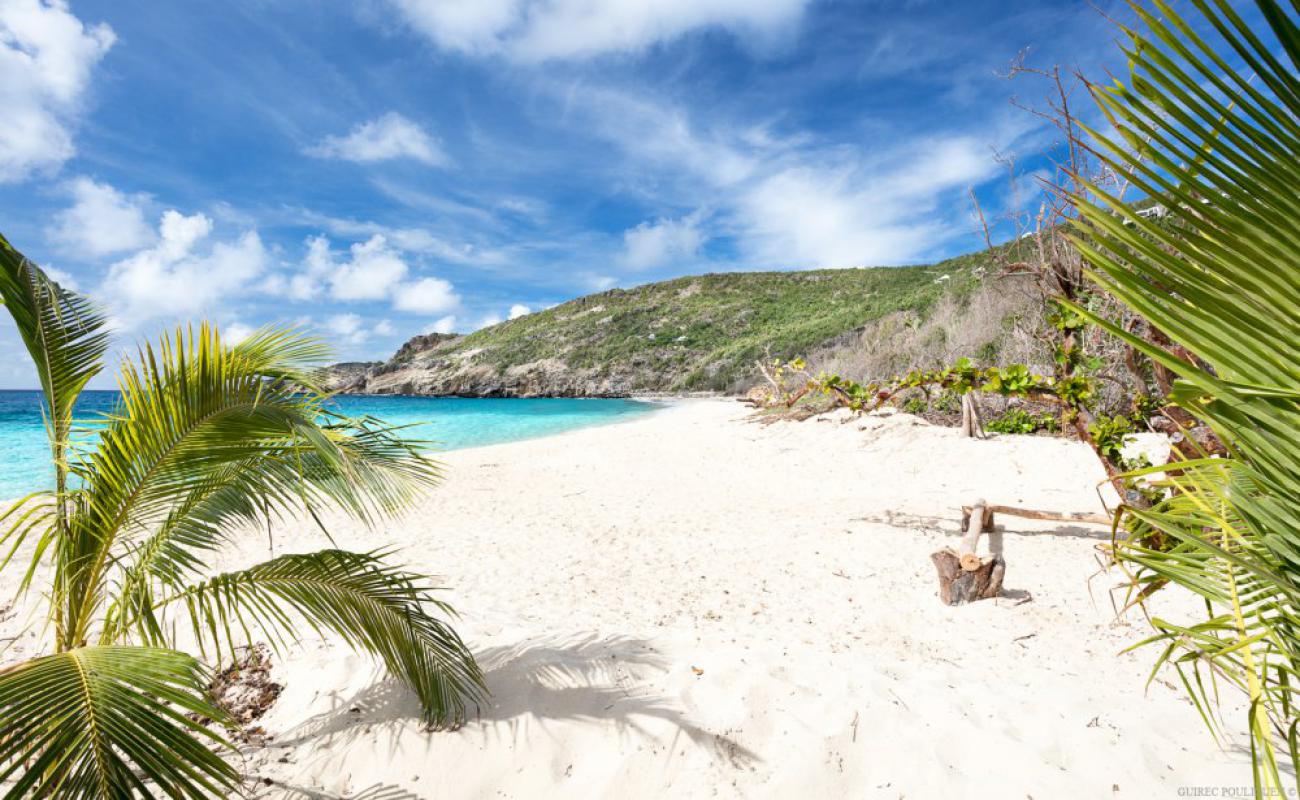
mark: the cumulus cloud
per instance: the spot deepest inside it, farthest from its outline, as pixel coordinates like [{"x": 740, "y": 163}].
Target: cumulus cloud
[
  {"x": 518, "y": 310},
  {"x": 371, "y": 273},
  {"x": 537, "y": 30},
  {"x": 46, "y": 57},
  {"x": 425, "y": 296},
  {"x": 348, "y": 328},
  {"x": 489, "y": 320},
  {"x": 236, "y": 332},
  {"x": 445, "y": 324},
  {"x": 664, "y": 242},
  {"x": 101, "y": 221},
  {"x": 373, "y": 270},
  {"x": 388, "y": 137},
  {"x": 184, "y": 272}
]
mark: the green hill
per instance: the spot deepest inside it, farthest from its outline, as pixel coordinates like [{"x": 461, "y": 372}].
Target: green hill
[{"x": 700, "y": 333}]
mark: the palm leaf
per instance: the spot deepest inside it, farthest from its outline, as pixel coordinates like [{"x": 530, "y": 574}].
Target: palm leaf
[
  {"x": 1219, "y": 147},
  {"x": 196, "y": 415},
  {"x": 65, "y": 334},
  {"x": 371, "y": 605},
  {"x": 109, "y": 722}
]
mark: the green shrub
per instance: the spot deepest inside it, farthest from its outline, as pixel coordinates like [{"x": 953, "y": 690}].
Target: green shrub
[{"x": 1018, "y": 420}]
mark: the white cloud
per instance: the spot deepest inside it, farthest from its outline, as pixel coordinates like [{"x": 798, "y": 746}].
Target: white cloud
[
  {"x": 665, "y": 242},
  {"x": 372, "y": 273},
  {"x": 374, "y": 270},
  {"x": 182, "y": 273},
  {"x": 518, "y": 310},
  {"x": 488, "y": 321},
  {"x": 101, "y": 221},
  {"x": 64, "y": 279},
  {"x": 388, "y": 137},
  {"x": 425, "y": 296},
  {"x": 384, "y": 328},
  {"x": 794, "y": 201},
  {"x": 598, "y": 283},
  {"x": 236, "y": 332},
  {"x": 348, "y": 328},
  {"x": 46, "y": 56},
  {"x": 536, "y": 30},
  {"x": 445, "y": 324}
]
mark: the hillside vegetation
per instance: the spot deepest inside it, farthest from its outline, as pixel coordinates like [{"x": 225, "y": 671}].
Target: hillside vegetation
[{"x": 691, "y": 334}]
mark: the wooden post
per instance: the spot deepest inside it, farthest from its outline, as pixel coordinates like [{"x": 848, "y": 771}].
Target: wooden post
[
  {"x": 963, "y": 575},
  {"x": 971, "y": 426}
]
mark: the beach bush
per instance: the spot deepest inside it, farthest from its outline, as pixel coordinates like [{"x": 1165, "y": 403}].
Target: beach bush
[
  {"x": 208, "y": 441},
  {"x": 1018, "y": 420},
  {"x": 1207, "y": 126}
]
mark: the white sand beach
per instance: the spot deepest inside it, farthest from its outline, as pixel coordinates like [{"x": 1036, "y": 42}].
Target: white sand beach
[{"x": 694, "y": 605}]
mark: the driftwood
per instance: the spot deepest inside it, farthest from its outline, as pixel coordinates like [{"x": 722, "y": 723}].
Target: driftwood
[
  {"x": 964, "y": 576},
  {"x": 972, "y": 427},
  {"x": 1031, "y": 513}
]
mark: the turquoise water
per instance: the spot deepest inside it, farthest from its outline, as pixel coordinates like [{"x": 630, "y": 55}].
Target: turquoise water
[{"x": 451, "y": 422}]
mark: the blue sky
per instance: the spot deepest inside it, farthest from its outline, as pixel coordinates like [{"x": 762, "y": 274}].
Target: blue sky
[{"x": 384, "y": 168}]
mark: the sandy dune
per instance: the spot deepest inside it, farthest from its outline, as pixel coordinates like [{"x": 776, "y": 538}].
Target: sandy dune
[{"x": 695, "y": 605}]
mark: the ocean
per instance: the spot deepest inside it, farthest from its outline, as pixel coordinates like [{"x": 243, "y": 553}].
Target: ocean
[{"x": 450, "y": 422}]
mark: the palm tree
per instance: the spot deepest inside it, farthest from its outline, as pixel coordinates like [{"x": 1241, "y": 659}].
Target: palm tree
[
  {"x": 1209, "y": 127},
  {"x": 206, "y": 439}
]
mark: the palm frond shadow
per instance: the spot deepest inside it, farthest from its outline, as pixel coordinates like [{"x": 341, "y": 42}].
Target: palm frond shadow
[
  {"x": 586, "y": 679},
  {"x": 378, "y": 791}
]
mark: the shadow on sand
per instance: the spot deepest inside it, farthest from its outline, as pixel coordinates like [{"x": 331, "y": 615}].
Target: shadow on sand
[
  {"x": 587, "y": 679},
  {"x": 1005, "y": 524},
  {"x": 379, "y": 791}
]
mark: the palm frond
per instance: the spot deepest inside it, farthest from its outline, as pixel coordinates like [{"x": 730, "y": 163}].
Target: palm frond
[
  {"x": 371, "y": 605},
  {"x": 65, "y": 334},
  {"x": 103, "y": 722},
  {"x": 1210, "y": 128},
  {"x": 195, "y": 416}
]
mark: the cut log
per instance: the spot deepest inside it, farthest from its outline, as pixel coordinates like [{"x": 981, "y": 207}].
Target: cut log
[
  {"x": 964, "y": 576},
  {"x": 958, "y": 586}
]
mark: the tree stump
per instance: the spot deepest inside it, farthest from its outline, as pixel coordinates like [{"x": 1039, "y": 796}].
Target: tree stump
[
  {"x": 964, "y": 576},
  {"x": 958, "y": 586}
]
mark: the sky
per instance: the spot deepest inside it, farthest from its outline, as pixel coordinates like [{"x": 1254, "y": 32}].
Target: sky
[{"x": 378, "y": 169}]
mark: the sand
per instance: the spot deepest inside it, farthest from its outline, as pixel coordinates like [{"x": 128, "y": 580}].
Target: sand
[{"x": 694, "y": 605}]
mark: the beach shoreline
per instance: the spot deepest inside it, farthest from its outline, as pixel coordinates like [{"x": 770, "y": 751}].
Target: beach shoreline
[{"x": 692, "y": 603}]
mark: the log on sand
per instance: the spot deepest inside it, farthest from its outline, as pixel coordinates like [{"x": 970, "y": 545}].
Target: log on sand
[
  {"x": 1031, "y": 513},
  {"x": 963, "y": 575}
]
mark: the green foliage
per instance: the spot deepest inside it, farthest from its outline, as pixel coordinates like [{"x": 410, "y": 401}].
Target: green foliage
[
  {"x": 1018, "y": 420},
  {"x": 207, "y": 438},
  {"x": 916, "y": 405},
  {"x": 1219, "y": 147},
  {"x": 706, "y": 332},
  {"x": 963, "y": 377},
  {"x": 1109, "y": 434},
  {"x": 96, "y": 722}
]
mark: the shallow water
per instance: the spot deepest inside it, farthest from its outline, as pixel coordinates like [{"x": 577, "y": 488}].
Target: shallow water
[{"x": 449, "y": 422}]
